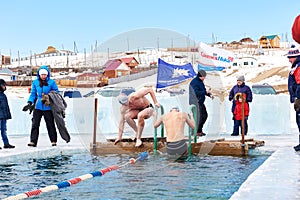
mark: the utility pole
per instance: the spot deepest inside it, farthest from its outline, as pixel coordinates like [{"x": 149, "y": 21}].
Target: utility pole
[
  {"x": 92, "y": 52},
  {"x": 18, "y": 58},
  {"x": 127, "y": 44},
  {"x": 75, "y": 47},
  {"x": 172, "y": 52},
  {"x": 85, "y": 58}
]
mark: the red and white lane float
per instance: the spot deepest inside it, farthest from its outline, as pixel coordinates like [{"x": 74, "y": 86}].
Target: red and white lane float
[{"x": 68, "y": 183}]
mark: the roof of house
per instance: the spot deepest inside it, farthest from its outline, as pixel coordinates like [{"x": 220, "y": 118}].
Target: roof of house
[
  {"x": 270, "y": 37},
  {"x": 112, "y": 64},
  {"x": 6, "y": 71},
  {"x": 128, "y": 60},
  {"x": 89, "y": 74}
]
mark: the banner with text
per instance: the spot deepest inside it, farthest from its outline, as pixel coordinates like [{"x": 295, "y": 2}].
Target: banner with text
[
  {"x": 214, "y": 58},
  {"x": 169, "y": 74}
]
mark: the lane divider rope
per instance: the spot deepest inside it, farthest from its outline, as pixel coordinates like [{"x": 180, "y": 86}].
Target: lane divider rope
[{"x": 68, "y": 183}]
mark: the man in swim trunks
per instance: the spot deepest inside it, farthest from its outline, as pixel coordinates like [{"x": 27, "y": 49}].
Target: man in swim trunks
[
  {"x": 174, "y": 122},
  {"x": 136, "y": 106}
]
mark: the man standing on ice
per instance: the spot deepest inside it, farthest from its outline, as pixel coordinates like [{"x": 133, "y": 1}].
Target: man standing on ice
[{"x": 294, "y": 84}]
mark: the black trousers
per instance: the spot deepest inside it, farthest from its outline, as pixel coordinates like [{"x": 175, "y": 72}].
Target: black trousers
[
  {"x": 202, "y": 117},
  {"x": 36, "y": 120}
]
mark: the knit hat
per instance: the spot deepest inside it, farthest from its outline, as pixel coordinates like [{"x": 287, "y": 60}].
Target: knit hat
[
  {"x": 2, "y": 82},
  {"x": 293, "y": 52},
  {"x": 296, "y": 29},
  {"x": 43, "y": 71},
  {"x": 241, "y": 78},
  {"x": 123, "y": 99},
  {"x": 201, "y": 73}
]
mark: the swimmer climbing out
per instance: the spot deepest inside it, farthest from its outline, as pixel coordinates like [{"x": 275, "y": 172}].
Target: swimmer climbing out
[
  {"x": 136, "y": 106},
  {"x": 174, "y": 123}
]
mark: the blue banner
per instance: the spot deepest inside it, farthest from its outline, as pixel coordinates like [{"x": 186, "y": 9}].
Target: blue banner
[{"x": 168, "y": 74}]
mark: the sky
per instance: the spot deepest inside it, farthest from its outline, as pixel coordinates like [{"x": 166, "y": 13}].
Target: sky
[{"x": 30, "y": 26}]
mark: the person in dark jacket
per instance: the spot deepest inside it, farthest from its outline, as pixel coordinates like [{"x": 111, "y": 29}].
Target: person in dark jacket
[
  {"x": 4, "y": 115},
  {"x": 40, "y": 88},
  {"x": 197, "y": 93},
  {"x": 294, "y": 84},
  {"x": 240, "y": 87}
]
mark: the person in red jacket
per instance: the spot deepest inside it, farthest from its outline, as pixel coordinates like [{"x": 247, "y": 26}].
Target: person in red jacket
[{"x": 238, "y": 114}]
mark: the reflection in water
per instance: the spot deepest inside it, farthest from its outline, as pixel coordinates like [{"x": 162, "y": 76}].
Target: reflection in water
[{"x": 158, "y": 177}]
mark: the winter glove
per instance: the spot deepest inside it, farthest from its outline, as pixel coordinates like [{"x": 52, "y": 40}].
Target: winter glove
[
  {"x": 31, "y": 109},
  {"x": 233, "y": 117},
  {"x": 27, "y": 107},
  {"x": 297, "y": 105}
]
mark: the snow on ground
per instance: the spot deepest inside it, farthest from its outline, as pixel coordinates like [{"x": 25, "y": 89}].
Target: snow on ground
[
  {"x": 271, "y": 119},
  {"x": 219, "y": 108}
]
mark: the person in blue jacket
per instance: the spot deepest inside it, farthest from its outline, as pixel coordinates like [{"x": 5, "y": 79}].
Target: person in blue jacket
[
  {"x": 4, "y": 115},
  {"x": 197, "y": 93},
  {"x": 294, "y": 84},
  {"x": 40, "y": 88},
  {"x": 240, "y": 87}
]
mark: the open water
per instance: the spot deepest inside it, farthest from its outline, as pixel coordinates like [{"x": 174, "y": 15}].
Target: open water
[{"x": 157, "y": 177}]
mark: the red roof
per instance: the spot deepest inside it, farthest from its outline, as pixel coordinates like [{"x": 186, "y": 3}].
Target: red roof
[
  {"x": 89, "y": 74},
  {"x": 112, "y": 64},
  {"x": 127, "y": 60}
]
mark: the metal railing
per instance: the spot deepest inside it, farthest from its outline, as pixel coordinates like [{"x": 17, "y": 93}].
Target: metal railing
[
  {"x": 193, "y": 110},
  {"x": 155, "y": 129}
]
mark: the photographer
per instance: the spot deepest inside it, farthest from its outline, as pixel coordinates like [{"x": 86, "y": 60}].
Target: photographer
[{"x": 39, "y": 94}]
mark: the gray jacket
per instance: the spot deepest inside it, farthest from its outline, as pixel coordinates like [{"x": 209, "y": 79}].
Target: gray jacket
[{"x": 58, "y": 107}]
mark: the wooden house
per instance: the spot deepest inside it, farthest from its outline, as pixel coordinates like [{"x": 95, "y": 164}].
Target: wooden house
[
  {"x": 270, "y": 41},
  {"x": 91, "y": 80},
  {"x": 5, "y": 60},
  {"x": 116, "y": 68},
  {"x": 8, "y": 75},
  {"x": 131, "y": 62}
]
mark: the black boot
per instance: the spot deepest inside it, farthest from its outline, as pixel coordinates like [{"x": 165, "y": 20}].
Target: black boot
[
  {"x": 297, "y": 148},
  {"x": 8, "y": 146}
]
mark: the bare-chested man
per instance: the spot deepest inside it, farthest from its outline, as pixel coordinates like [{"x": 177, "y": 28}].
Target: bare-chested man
[
  {"x": 174, "y": 122},
  {"x": 136, "y": 106}
]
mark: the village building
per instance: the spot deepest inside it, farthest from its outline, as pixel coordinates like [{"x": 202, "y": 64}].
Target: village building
[
  {"x": 131, "y": 62},
  {"x": 8, "y": 75},
  {"x": 91, "y": 80},
  {"x": 270, "y": 41},
  {"x": 119, "y": 67},
  {"x": 58, "y": 59},
  {"x": 244, "y": 62},
  {"x": 5, "y": 60}
]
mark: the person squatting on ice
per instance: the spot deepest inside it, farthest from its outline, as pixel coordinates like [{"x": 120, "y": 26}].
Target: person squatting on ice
[
  {"x": 240, "y": 87},
  {"x": 174, "y": 122},
  {"x": 136, "y": 106},
  {"x": 39, "y": 97},
  {"x": 294, "y": 84},
  {"x": 197, "y": 93},
  {"x": 4, "y": 115}
]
